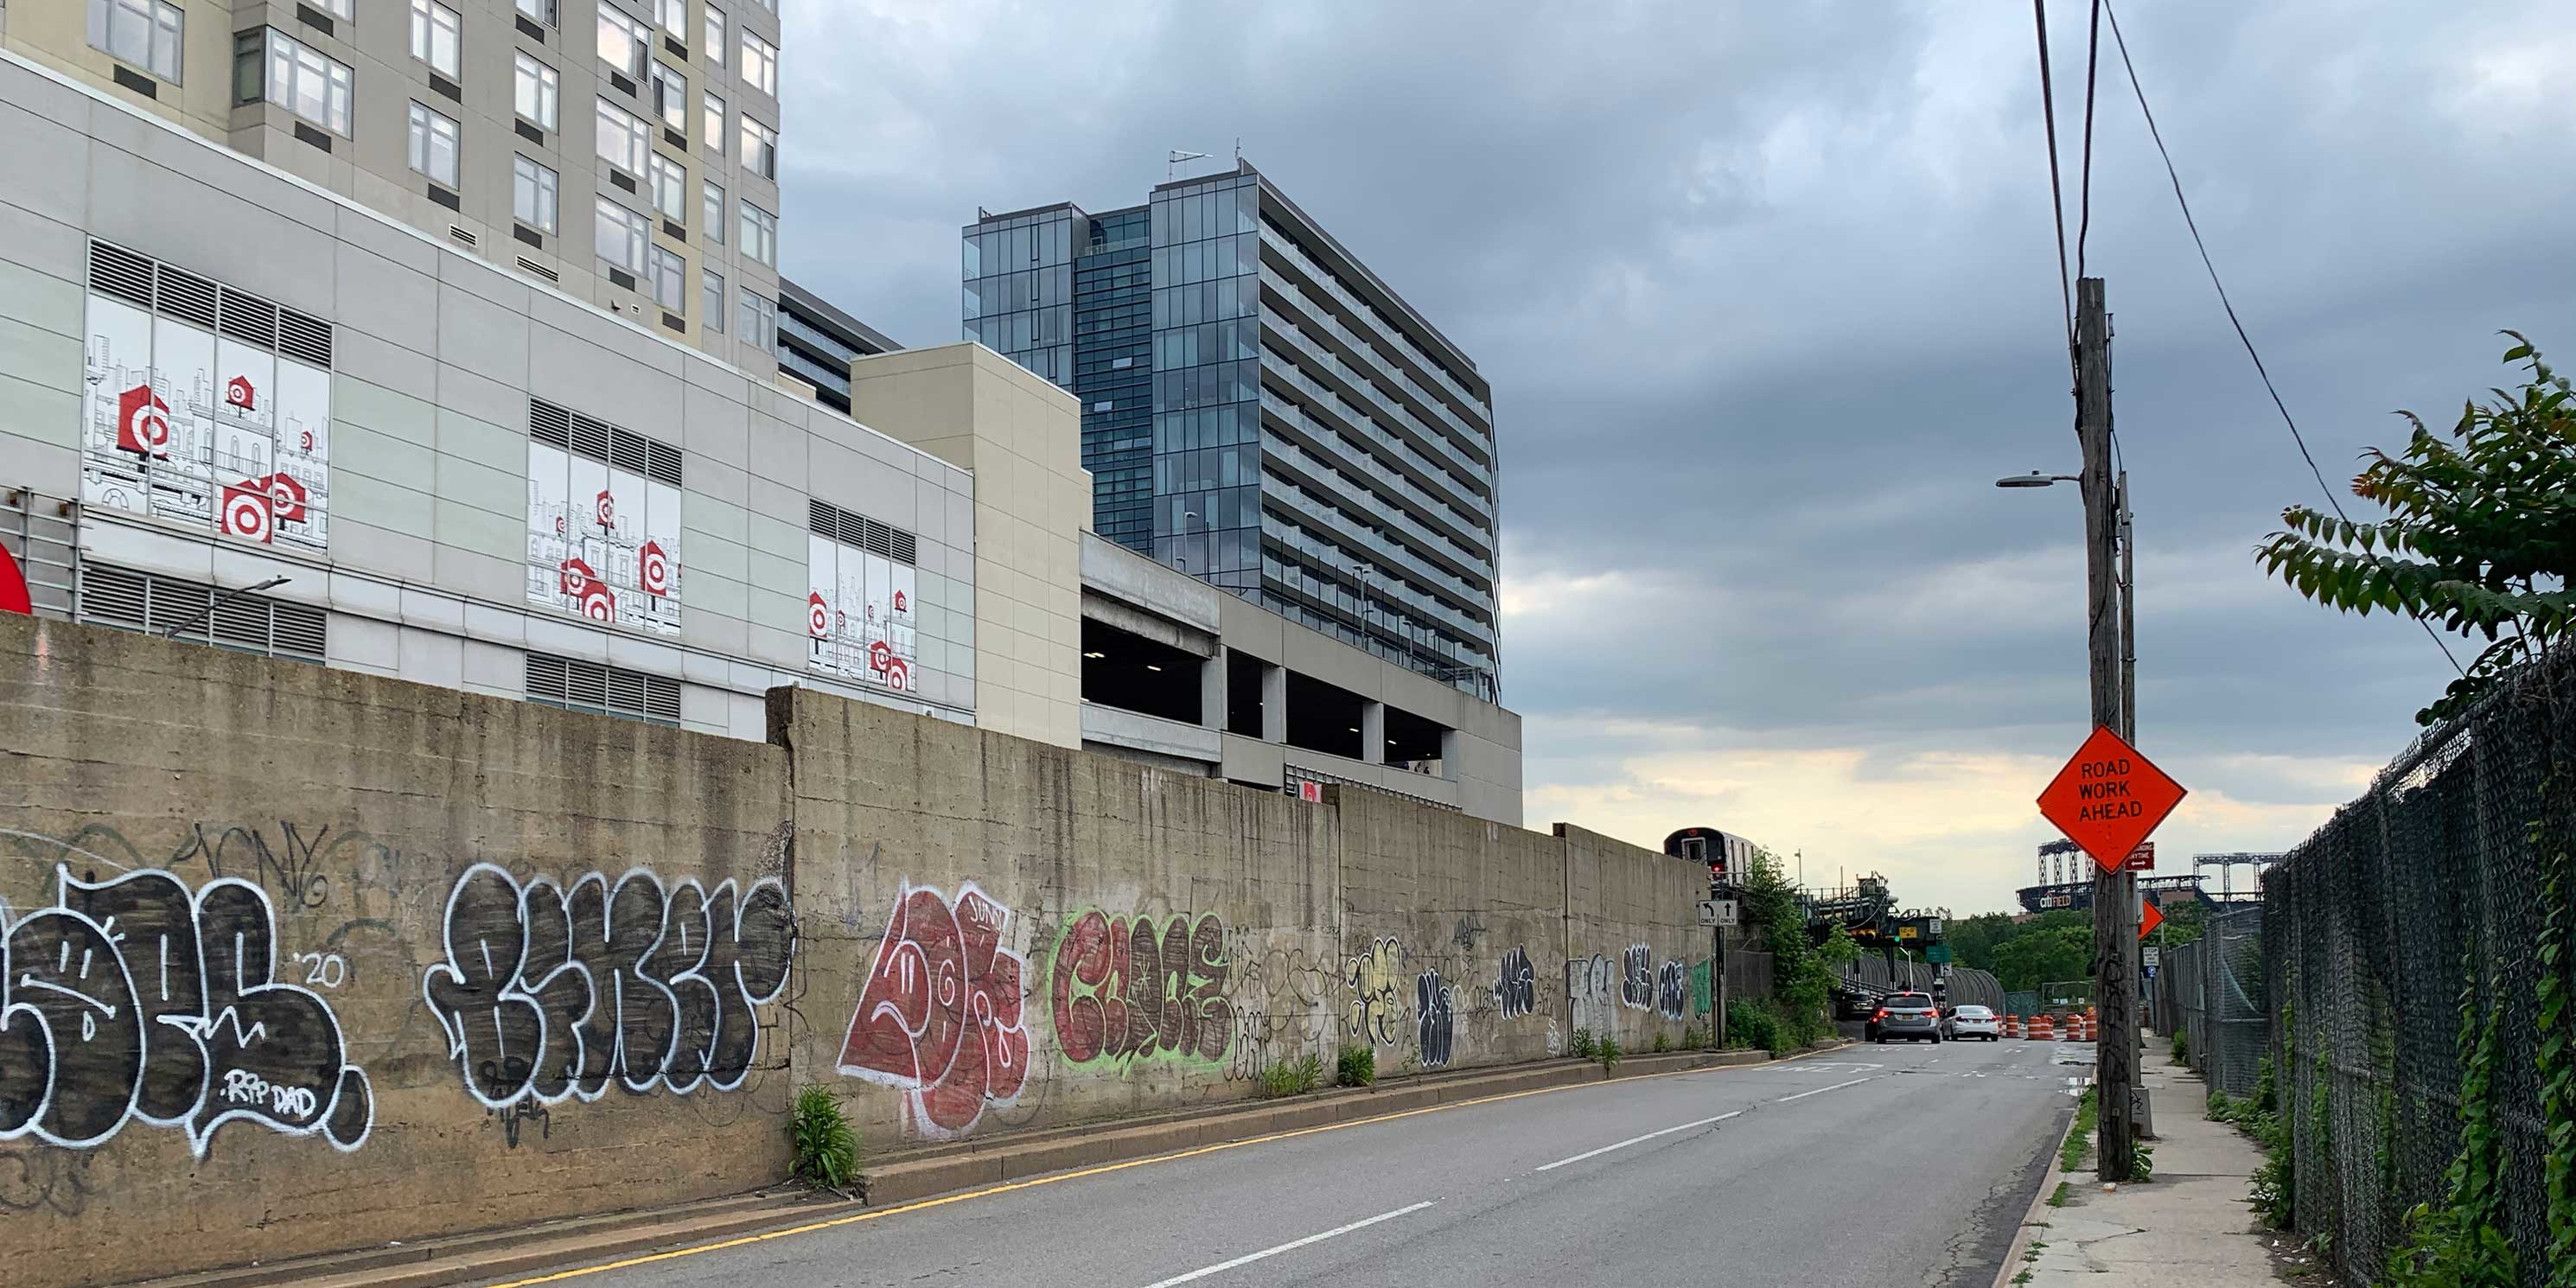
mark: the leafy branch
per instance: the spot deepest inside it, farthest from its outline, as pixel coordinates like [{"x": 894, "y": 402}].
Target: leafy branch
[{"x": 2480, "y": 533}]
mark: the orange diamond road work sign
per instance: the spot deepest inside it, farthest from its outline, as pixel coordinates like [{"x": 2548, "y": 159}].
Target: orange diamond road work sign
[
  {"x": 2109, "y": 798},
  {"x": 2148, "y": 919}
]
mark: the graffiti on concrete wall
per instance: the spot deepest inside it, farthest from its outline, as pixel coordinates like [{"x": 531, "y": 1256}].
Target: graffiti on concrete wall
[
  {"x": 1127, "y": 989},
  {"x": 133, "y": 999},
  {"x": 1637, "y": 978},
  {"x": 1435, "y": 1012},
  {"x": 939, "y": 1017},
  {"x": 1700, "y": 1002},
  {"x": 1515, "y": 986},
  {"x": 548, "y": 994},
  {"x": 1672, "y": 990},
  {"x": 1283, "y": 1002},
  {"x": 1591, "y": 992},
  {"x": 1375, "y": 977}
]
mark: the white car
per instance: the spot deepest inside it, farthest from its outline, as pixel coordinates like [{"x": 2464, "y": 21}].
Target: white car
[{"x": 1963, "y": 1022}]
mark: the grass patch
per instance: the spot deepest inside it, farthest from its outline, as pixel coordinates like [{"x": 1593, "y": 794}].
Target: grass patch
[
  {"x": 2058, "y": 1199},
  {"x": 2071, "y": 1154},
  {"x": 1357, "y": 1066},
  {"x": 1292, "y": 1077}
]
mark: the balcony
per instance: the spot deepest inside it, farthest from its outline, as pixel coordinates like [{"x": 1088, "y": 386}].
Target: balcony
[
  {"x": 1384, "y": 372},
  {"x": 1356, "y": 495},
  {"x": 1308, "y": 350},
  {"x": 1475, "y": 512},
  {"x": 1353, "y": 546},
  {"x": 1332, "y": 286}
]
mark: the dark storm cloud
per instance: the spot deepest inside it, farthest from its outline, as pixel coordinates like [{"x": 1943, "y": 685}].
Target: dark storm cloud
[{"x": 1768, "y": 297}]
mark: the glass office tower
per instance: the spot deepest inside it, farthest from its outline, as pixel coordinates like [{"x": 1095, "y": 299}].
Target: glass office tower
[{"x": 1261, "y": 411}]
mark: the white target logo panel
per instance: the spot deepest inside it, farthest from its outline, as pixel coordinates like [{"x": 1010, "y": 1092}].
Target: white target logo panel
[
  {"x": 603, "y": 543},
  {"x": 204, "y": 405},
  {"x": 861, "y": 615}
]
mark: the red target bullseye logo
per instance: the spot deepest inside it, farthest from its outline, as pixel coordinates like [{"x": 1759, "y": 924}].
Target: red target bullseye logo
[
  {"x": 605, "y": 508},
  {"x": 577, "y": 577},
  {"x": 246, "y": 512},
  {"x": 238, "y": 393},
  {"x": 597, "y": 603},
  {"x": 287, "y": 496},
  {"x": 653, "y": 569},
  {"x": 880, "y": 656},
  {"x": 898, "y": 675},
  {"x": 142, "y": 422},
  {"x": 818, "y": 615}
]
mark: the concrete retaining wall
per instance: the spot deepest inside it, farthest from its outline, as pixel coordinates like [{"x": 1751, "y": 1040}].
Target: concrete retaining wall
[{"x": 301, "y": 959}]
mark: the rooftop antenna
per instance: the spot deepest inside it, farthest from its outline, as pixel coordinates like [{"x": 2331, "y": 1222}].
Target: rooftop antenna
[
  {"x": 1238, "y": 149},
  {"x": 1173, "y": 161}
]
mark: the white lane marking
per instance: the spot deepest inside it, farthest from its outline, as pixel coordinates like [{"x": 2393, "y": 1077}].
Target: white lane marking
[
  {"x": 1596, "y": 1153},
  {"x": 1820, "y": 1091},
  {"x": 1290, "y": 1246}
]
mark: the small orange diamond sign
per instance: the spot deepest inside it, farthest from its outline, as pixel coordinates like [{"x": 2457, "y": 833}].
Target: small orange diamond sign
[
  {"x": 2148, "y": 919},
  {"x": 2109, "y": 798}
]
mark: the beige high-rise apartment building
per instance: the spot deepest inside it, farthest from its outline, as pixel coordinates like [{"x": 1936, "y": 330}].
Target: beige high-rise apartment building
[{"x": 623, "y": 151}]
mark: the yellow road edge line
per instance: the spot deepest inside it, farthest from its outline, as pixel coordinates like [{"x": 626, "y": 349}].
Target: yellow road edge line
[{"x": 1053, "y": 1177}]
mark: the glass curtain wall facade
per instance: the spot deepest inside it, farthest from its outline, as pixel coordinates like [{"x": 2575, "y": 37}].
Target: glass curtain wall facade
[
  {"x": 1113, "y": 373},
  {"x": 1018, "y": 298},
  {"x": 1207, "y": 381},
  {"x": 1314, "y": 444}
]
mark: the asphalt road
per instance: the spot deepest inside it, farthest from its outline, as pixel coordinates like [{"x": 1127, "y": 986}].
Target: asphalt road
[{"x": 1895, "y": 1165}]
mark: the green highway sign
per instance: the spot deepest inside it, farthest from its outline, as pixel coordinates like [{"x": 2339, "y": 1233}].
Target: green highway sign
[{"x": 1937, "y": 954}]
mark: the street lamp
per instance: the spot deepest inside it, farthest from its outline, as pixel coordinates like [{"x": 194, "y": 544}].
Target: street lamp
[
  {"x": 2036, "y": 479},
  {"x": 2128, "y": 588},
  {"x": 1182, "y": 540}
]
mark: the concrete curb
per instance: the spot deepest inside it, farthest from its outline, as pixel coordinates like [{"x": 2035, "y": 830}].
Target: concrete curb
[
  {"x": 911, "y": 1176},
  {"x": 2030, "y": 1222}
]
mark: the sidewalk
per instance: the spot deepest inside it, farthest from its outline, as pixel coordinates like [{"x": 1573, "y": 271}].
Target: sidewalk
[{"x": 2188, "y": 1226}]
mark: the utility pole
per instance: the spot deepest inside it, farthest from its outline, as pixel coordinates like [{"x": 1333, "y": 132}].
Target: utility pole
[{"x": 2115, "y": 933}]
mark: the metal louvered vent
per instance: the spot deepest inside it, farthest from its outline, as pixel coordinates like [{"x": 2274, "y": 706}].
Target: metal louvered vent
[
  {"x": 461, "y": 234},
  {"x": 828, "y": 520},
  {"x": 576, "y": 685},
  {"x": 248, "y": 623},
  {"x": 548, "y": 423},
  {"x": 303, "y": 336},
  {"x": 121, "y": 273},
  {"x": 531, "y": 266},
  {"x": 247, "y": 318},
  {"x": 601, "y": 441},
  {"x": 188, "y": 296}
]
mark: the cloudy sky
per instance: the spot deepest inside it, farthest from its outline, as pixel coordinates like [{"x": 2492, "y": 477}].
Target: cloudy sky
[{"x": 1768, "y": 296}]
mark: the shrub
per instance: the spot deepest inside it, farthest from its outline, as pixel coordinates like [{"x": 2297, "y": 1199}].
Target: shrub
[
  {"x": 1582, "y": 1048},
  {"x": 1293, "y": 1078},
  {"x": 1752, "y": 1025},
  {"x": 1663, "y": 1041},
  {"x": 2182, "y": 1046},
  {"x": 827, "y": 1150},
  {"x": 1356, "y": 1066},
  {"x": 1607, "y": 1050}
]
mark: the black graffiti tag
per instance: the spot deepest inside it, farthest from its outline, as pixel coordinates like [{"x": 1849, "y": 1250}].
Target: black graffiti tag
[
  {"x": 1637, "y": 977},
  {"x": 133, "y": 999},
  {"x": 1435, "y": 1014},
  {"x": 547, "y": 995},
  {"x": 1516, "y": 985}
]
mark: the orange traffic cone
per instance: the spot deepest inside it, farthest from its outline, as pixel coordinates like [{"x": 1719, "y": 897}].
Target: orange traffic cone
[{"x": 2043, "y": 1028}]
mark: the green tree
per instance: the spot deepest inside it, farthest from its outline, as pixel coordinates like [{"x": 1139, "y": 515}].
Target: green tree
[
  {"x": 2044, "y": 956},
  {"x": 2480, "y": 535}
]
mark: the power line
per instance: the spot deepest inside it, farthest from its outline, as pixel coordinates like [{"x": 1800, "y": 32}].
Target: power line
[
  {"x": 2056, "y": 186},
  {"x": 2180, "y": 200},
  {"x": 2084, "y": 202}
]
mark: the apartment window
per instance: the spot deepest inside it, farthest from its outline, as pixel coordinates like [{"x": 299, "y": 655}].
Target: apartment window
[
  {"x": 268, "y": 64},
  {"x": 760, "y": 64},
  {"x": 347, "y": 10},
  {"x": 574, "y": 685},
  {"x": 674, "y": 16},
  {"x": 770, "y": 5},
  {"x": 759, "y": 148},
  {"x": 670, "y": 188},
  {"x": 624, "y": 139},
  {"x": 544, "y": 11},
  {"x": 713, "y": 114},
  {"x": 759, "y": 321},
  {"x": 433, "y": 145},
  {"x": 621, "y": 41},
  {"x": 759, "y": 235},
  {"x": 533, "y": 194},
  {"x": 712, "y": 217},
  {"x": 671, "y": 97},
  {"x": 711, "y": 308},
  {"x": 670, "y": 277},
  {"x": 621, "y": 236},
  {"x": 715, "y": 35},
  {"x": 436, "y": 32},
  {"x": 147, "y": 33},
  {"x": 536, "y": 93}
]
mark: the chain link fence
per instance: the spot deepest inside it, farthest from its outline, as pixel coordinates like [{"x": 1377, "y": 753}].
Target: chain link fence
[
  {"x": 2212, "y": 991},
  {"x": 2425, "y": 886}
]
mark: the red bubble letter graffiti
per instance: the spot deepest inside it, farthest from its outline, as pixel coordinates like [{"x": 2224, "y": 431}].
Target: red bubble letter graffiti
[{"x": 939, "y": 1018}]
